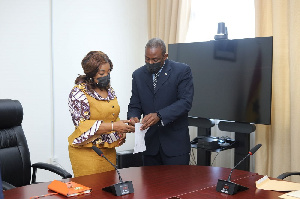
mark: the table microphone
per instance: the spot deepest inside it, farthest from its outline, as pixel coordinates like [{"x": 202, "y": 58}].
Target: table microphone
[
  {"x": 121, "y": 188},
  {"x": 228, "y": 187}
]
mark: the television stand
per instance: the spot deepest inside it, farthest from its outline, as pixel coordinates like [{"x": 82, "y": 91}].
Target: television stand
[
  {"x": 242, "y": 138},
  {"x": 203, "y": 129}
]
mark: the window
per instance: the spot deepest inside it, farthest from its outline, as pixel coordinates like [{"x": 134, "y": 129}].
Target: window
[{"x": 238, "y": 16}]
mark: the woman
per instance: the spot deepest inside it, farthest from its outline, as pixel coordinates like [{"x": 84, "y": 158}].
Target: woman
[{"x": 95, "y": 113}]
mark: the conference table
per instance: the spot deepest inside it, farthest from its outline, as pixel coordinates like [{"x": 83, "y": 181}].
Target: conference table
[{"x": 165, "y": 182}]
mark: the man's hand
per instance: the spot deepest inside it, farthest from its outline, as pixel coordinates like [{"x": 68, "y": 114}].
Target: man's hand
[
  {"x": 149, "y": 120},
  {"x": 133, "y": 120}
]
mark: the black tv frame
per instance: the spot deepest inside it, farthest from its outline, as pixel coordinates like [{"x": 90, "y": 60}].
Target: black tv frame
[{"x": 212, "y": 100}]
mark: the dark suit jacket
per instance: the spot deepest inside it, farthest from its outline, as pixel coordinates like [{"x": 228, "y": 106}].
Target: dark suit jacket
[{"x": 172, "y": 98}]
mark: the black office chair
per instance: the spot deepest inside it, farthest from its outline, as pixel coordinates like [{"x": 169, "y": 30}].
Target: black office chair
[
  {"x": 14, "y": 153},
  {"x": 287, "y": 174},
  {"x": 1, "y": 188}
]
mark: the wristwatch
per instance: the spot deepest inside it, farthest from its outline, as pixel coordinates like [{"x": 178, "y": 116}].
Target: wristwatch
[
  {"x": 158, "y": 115},
  {"x": 160, "y": 118}
]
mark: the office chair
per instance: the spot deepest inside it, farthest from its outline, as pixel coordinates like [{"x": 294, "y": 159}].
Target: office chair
[
  {"x": 1, "y": 188},
  {"x": 14, "y": 153},
  {"x": 287, "y": 174}
]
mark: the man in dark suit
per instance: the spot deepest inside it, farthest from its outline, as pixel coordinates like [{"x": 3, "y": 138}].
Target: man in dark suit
[{"x": 162, "y": 91}]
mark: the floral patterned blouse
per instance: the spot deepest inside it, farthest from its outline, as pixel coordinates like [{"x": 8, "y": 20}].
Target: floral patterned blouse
[{"x": 80, "y": 111}]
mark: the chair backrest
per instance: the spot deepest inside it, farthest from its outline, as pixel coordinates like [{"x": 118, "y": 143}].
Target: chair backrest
[
  {"x": 1, "y": 188},
  {"x": 14, "y": 152}
]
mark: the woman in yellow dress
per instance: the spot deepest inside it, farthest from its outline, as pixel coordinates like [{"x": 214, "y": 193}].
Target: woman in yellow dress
[{"x": 95, "y": 113}]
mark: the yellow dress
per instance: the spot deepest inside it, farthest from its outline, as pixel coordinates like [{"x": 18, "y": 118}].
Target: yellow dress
[{"x": 84, "y": 159}]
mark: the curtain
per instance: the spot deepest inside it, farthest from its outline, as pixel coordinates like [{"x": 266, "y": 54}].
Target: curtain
[
  {"x": 281, "y": 140},
  {"x": 168, "y": 20}
]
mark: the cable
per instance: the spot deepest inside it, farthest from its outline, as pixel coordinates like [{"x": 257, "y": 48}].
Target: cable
[
  {"x": 214, "y": 158},
  {"x": 222, "y": 148},
  {"x": 192, "y": 159}
]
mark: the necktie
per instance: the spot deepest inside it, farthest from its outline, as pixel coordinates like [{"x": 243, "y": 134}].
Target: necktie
[{"x": 155, "y": 80}]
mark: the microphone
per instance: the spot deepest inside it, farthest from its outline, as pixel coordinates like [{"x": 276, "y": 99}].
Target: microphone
[
  {"x": 100, "y": 153},
  {"x": 120, "y": 188},
  {"x": 254, "y": 149},
  {"x": 228, "y": 187},
  {"x": 251, "y": 152}
]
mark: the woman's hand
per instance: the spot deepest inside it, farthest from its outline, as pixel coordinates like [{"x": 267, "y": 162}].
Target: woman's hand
[
  {"x": 122, "y": 138},
  {"x": 123, "y": 127}
]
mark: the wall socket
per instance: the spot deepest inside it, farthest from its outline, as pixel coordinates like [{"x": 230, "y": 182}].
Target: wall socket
[{"x": 53, "y": 160}]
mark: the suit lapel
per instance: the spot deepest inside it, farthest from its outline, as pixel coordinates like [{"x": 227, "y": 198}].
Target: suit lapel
[
  {"x": 163, "y": 76},
  {"x": 148, "y": 79}
]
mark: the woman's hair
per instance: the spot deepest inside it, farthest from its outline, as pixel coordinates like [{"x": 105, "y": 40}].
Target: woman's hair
[{"x": 90, "y": 65}]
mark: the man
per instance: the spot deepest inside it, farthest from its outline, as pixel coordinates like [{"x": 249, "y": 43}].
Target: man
[{"x": 162, "y": 91}]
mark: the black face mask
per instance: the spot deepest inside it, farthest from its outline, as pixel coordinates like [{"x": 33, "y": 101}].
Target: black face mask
[
  {"x": 153, "y": 68},
  {"x": 103, "y": 82}
]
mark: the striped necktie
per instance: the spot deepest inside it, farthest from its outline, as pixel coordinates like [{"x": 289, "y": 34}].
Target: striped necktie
[{"x": 155, "y": 80}]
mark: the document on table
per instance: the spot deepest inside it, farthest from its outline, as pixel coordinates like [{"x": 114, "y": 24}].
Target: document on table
[
  {"x": 291, "y": 195},
  {"x": 279, "y": 185},
  {"x": 276, "y": 185},
  {"x": 139, "y": 145}
]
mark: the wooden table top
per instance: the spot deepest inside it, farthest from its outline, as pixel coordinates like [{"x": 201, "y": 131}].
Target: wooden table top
[{"x": 166, "y": 182}]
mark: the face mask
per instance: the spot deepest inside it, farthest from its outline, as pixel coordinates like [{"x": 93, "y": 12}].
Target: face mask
[
  {"x": 103, "y": 82},
  {"x": 153, "y": 68}
]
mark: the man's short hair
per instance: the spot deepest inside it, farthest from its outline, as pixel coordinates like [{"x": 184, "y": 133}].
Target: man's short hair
[{"x": 156, "y": 43}]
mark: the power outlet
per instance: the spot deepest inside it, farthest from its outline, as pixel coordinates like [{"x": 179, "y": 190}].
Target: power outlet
[{"x": 53, "y": 161}]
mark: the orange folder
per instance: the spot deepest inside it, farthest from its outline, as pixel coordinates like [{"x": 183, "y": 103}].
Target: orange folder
[{"x": 68, "y": 188}]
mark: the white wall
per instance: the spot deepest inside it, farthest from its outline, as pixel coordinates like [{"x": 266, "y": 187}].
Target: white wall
[
  {"x": 25, "y": 68},
  {"x": 40, "y": 60}
]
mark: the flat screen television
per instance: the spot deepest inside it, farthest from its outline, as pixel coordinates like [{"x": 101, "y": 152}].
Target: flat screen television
[{"x": 232, "y": 78}]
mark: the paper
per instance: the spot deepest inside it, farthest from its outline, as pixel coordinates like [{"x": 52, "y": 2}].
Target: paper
[
  {"x": 276, "y": 185},
  {"x": 291, "y": 195},
  {"x": 295, "y": 194},
  {"x": 139, "y": 145}
]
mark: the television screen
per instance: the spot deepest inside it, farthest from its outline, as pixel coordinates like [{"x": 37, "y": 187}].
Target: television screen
[{"x": 232, "y": 78}]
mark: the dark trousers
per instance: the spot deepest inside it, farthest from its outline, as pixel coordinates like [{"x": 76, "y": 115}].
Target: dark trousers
[{"x": 162, "y": 159}]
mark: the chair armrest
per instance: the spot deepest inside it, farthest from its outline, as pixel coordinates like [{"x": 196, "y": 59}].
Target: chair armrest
[
  {"x": 7, "y": 186},
  {"x": 287, "y": 174},
  {"x": 50, "y": 167}
]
